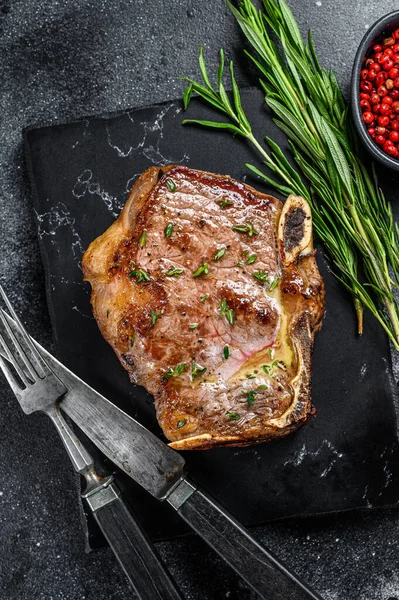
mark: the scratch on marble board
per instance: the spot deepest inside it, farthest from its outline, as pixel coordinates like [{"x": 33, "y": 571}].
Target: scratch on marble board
[
  {"x": 363, "y": 371},
  {"x": 304, "y": 454},
  {"x": 86, "y": 123},
  {"x": 85, "y": 184},
  {"x": 62, "y": 279},
  {"x": 59, "y": 217},
  {"x": 387, "y": 474},
  {"x": 365, "y": 497},
  {"x": 149, "y": 145},
  {"x": 81, "y": 313}
]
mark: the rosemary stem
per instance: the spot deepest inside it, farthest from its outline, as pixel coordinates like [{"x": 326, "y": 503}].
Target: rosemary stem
[
  {"x": 359, "y": 314},
  {"x": 268, "y": 158}
]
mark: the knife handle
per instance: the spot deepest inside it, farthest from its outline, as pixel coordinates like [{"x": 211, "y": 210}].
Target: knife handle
[
  {"x": 267, "y": 576},
  {"x": 132, "y": 548}
]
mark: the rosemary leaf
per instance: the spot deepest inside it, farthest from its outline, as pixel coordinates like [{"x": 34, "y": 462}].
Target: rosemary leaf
[
  {"x": 219, "y": 254},
  {"x": 203, "y": 269},
  {"x": 233, "y": 416},
  {"x": 168, "y": 230},
  {"x": 143, "y": 239}
]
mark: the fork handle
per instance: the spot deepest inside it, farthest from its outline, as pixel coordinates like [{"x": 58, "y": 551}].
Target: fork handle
[
  {"x": 80, "y": 457},
  {"x": 134, "y": 551},
  {"x": 127, "y": 540}
]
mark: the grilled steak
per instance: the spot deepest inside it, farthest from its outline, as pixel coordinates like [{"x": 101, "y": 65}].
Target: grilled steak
[{"x": 210, "y": 295}]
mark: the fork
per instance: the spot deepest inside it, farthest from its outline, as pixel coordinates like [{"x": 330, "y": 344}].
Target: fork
[{"x": 37, "y": 388}]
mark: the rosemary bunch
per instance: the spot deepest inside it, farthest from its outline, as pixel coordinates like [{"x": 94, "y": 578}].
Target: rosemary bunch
[{"x": 350, "y": 213}]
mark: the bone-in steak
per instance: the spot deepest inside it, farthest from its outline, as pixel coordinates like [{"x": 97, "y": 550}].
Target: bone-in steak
[{"x": 210, "y": 295}]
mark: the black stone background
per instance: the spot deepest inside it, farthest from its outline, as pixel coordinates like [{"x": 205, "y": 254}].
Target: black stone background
[{"x": 62, "y": 60}]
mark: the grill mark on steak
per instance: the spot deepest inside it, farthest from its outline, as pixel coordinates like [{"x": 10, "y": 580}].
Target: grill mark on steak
[{"x": 284, "y": 319}]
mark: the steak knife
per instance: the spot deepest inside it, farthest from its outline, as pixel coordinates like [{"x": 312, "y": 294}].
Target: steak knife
[{"x": 160, "y": 470}]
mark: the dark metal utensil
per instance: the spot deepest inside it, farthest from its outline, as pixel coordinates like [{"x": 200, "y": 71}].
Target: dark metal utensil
[
  {"x": 37, "y": 388},
  {"x": 159, "y": 469}
]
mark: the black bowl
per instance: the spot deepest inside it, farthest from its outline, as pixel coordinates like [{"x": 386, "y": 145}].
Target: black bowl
[{"x": 382, "y": 28}]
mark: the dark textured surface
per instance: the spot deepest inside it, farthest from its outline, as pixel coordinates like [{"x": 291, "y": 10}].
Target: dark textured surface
[
  {"x": 65, "y": 59},
  {"x": 345, "y": 458}
]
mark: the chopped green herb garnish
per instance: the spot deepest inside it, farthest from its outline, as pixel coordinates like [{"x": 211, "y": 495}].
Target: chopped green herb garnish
[
  {"x": 220, "y": 253},
  {"x": 143, "y": 239},
  {"x": 251, "y": 259},
  {"x": 168, "y": 230},
  {"x": 251, "y": 397},
  {"x": 276, "y": 363},
  {"x": 203, "y": 269},
  {"x": 197, "y": 370},
  {"x": 274, "y": 284},
  {"x": 271, "y": 352},
  {"x": 173, "y": 272},
  {"x": 223, "y": 203},
  {"x": 139, "y": 274},
  {"x": 251, "y": 376},
  {"x": 261, "y": 275},
  {"x": 226, "y": 311},
  {"x": 240, "y": 264},
  {"x": 132, "y": 340},
  {"x": 171, "y": 185},
  {"x": 154, "y": 317},
  {"x": 204, "y": 297},
  {"x": 247, "y": 228},
  {"x": 233, "y": 416},
  {"x": 193, "y": 326},
  {"x": 181, "y": 423},
  {"x": 226, "y": 352},
  {"x": 174, "y": 372},
  {"x": 262, "y": 387},
  {"x": 245, "y": 252}
]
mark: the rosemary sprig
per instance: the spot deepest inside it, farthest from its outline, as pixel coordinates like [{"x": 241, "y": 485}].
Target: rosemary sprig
[
  {"x": 350, "y": 213},
  {"x": 143, "y": 239},
  {"x": 173, "y": 272},
  {"x": 140, "y": 274},
  {"x": 247, "y": 228},
  {"x": 175, "y": 371},
  {"x": 224, "y": 202},
  {"x": 154, "y": 317},
  {"x": 219, "y": 254},
  {"x": 226, "y": 311},
  {"x": 168, "y": 230},
  {"x": 197, "y": 370},
  {"x": 203, "y": 269}
]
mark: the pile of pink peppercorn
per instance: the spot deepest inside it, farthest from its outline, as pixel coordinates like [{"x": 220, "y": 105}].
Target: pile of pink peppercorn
[{"x": 379, "y": 94}]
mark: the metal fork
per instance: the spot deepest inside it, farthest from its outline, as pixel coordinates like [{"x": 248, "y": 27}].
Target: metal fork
[{"x": 37, "y": 388}]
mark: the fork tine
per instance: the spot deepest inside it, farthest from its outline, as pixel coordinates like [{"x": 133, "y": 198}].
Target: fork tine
[
  {"x": 39, "y": 363},
  {"x": 29, "y": 367},
  {"x": 11, "y": 359}
]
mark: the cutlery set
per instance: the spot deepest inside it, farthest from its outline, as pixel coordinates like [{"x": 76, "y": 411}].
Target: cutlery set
[{"x": 41, "y": 383}]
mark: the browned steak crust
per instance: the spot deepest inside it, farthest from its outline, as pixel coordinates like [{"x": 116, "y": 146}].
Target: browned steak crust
[{"x": 205, "y": 272}]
